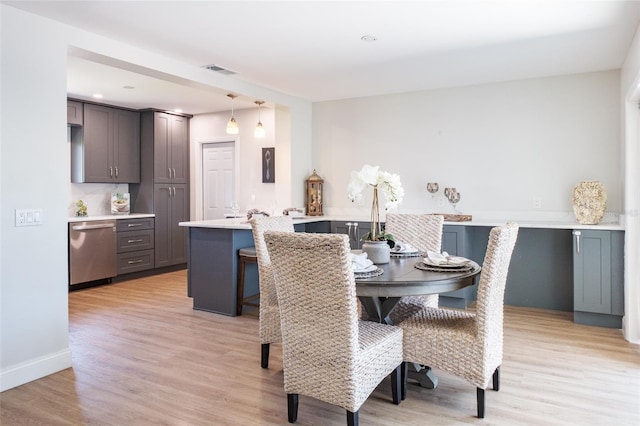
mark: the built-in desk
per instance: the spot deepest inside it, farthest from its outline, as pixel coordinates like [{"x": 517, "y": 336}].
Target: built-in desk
[{"x": 545, "y": 272}]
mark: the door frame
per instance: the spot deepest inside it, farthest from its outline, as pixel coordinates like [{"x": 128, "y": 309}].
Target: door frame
[
  {"x": 198, "y": 193},
  {"x": 631, "y": 182}
]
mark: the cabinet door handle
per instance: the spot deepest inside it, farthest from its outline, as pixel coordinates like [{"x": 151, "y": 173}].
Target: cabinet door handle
[
  {"x": 110, "y": 171},
  {"x": 169, "y": 170},
  {"x": 577, "y": 234},
  {"x": 174, "y": 172},
  {"x": 134, "y": 241},
  {"x": 131, "y": 262},
  {"x": 132, "y": 225},
  {"x": 116, "y": 172}
]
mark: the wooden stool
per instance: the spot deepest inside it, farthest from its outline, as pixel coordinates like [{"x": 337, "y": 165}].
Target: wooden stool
[{"x": 245, "y": 255}]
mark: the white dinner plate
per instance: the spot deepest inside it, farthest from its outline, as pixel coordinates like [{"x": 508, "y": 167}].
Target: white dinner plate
[
  {"x": 454, "y": 263},
  {"x": 367, "y": 269}
]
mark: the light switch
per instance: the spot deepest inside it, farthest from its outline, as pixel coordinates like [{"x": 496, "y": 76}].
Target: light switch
[{"x": 28, "y": 217}]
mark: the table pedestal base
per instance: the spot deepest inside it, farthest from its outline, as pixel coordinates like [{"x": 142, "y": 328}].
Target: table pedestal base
[{"x": 424, "y": 375}]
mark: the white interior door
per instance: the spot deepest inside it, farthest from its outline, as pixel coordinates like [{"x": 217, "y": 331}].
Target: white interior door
[{"x": 218, "y": 163}]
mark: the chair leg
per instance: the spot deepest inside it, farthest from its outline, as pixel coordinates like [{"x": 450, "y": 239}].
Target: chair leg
[
  {"x": 264, "y": 360},
  {"x": 292, "y": 407},
  {"x": 240, "y": 286},
  {"x": 396, "y": 384},
  {"x": 404, "y": 374},
  {"x": 480, "y": 396},
  {"x": 352, "y": 418},
  {"x": 496, "y": 379}
]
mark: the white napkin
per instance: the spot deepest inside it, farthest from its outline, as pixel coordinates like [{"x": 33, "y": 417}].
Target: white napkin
[
  {"x": 444, "y": 258},
  {"x": 360, "y": 262},
  {"x": 401, "y": 247}
]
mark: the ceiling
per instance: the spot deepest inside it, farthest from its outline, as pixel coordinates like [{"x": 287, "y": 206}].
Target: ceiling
[{"x": 314, "y": 50}]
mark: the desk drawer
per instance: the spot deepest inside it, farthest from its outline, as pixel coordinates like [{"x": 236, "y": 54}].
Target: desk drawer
[
  {"x": 135, "y": 224},
  {"x": 135, "y": 261},
  {"x": 135, "y": 240}
]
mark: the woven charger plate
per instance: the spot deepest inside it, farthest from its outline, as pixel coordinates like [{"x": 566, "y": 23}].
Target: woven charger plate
[
  {"x": 370, "y": 274},
  {"x": 423, "y": 266},
  {"x": 414, "y": 254}
]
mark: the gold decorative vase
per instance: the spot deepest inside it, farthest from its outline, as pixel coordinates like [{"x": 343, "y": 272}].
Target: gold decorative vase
[{"x": 589, "y": 202}]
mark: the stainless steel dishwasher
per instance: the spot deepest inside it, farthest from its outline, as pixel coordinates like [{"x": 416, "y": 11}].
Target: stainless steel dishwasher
[{"x": 92, "y": 251}]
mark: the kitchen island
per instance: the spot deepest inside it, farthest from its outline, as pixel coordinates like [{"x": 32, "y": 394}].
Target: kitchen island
[
  {"x": 558, "y": 265},
  {"x": 212, "y": 260}
]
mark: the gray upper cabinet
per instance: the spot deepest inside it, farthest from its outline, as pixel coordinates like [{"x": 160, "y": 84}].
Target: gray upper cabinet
[
  {"x": 74, "y": 113},
  {"x": 108, "y": 148},
  {"x": 171, "y": 149},
  {"x": 598, "y": 277}
]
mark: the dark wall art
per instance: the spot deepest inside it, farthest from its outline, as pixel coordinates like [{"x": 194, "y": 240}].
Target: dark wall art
[{"x": 268, "y": 165}]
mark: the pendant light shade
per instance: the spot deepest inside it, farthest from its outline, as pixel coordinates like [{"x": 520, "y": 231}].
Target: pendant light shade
[
  {"x": 232, "y": 125},
  {"x": 259, "y": 132}
]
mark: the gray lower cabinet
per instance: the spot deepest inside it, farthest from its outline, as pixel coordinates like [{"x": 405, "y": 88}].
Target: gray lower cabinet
[
  {"x": 355, "y": 231},
  {"x": 598, "y": 277},
  {"x": 135, "y": 244},
  {"x": 457, "y": 242},
  {"x": 171, "y": 206}
]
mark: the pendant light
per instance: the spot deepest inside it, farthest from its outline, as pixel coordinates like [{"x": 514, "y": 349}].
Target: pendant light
[
  {"x": 232, "y": 125},
  {"x": 259, "y": 132}
]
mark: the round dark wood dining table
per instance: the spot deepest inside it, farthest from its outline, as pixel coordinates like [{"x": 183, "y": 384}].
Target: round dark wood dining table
[{"x": 379, "y": 294}]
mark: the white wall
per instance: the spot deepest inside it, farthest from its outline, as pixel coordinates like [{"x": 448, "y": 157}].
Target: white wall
[
  {"x": 252, "y": 193},
  {"x": 34, "y": 172},
  {"x": 500, "y": 145}
]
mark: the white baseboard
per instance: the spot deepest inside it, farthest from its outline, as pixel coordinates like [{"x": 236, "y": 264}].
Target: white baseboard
[{"x": 34, "y": 369}]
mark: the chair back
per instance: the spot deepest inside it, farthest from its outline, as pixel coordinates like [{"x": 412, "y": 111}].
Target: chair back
[
  {"x": 422, "y": 231},
  {"x": 269, "y": 321},
  {"x": 318, "y": 308},
  {"x": 493, "y": 278}
]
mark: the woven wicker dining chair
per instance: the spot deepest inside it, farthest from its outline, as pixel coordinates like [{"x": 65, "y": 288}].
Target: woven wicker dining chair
[
  {"x": 269, "y": 327},
  {"x": 423, "y": 232},
  {"x": 328, "y": 353},
  {"x": 467, "y": 344}
]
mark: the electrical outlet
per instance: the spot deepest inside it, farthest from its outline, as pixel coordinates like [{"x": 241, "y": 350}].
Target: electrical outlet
[{"x": 537, "y": 203}]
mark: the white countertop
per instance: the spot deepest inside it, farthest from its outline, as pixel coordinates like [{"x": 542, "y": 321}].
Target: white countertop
[
  {"x": 241, "y": 223},
  {"x": 110, "y": 217}
]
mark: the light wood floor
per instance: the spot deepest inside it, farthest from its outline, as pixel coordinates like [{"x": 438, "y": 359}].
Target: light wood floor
[{"x": 143, "y": 356}]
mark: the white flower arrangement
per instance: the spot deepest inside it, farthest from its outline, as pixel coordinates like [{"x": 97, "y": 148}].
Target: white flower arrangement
[{"x": 390, "y": 186}]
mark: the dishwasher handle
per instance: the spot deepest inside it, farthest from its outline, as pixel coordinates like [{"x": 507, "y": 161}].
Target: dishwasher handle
[{"x": 89, "y": 227}]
